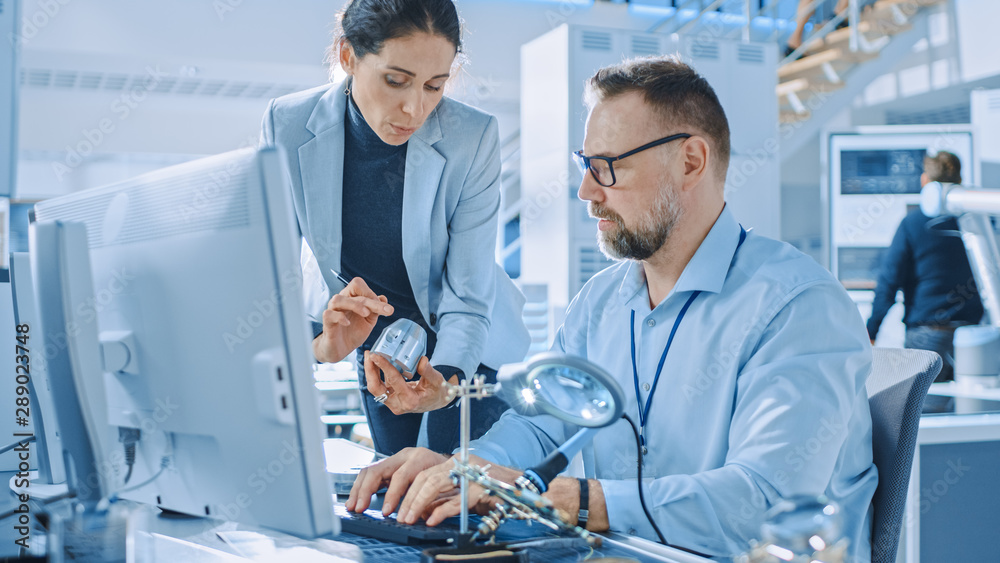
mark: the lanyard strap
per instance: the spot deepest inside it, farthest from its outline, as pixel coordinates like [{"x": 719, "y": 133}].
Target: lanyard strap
[{"x": 644, "y": 410}]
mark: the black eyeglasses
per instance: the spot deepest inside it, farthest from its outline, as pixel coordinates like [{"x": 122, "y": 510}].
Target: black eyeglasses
[{"x": 601, "y": 168}]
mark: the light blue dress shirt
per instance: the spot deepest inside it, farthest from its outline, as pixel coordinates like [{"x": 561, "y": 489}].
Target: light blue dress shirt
[{"x": 762, "y": 395}]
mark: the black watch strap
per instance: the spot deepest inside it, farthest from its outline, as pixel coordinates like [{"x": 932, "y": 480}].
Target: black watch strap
[{"x": 584, "y": 514}]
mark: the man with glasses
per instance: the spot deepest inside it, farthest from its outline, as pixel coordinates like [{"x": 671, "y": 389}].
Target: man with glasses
[{"x": 744, "y": 362}]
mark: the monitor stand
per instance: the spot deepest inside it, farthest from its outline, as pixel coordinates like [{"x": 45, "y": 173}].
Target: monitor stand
[{"x": 38, "y": 490}]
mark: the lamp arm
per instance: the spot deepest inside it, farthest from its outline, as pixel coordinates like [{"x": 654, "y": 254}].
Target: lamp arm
[
  {"x": 515, "y": 502},
  {"x": 543, "y": 473}
]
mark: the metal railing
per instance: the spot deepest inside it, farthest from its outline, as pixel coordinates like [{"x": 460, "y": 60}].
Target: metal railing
[
  {"x": 857, "y": 41},
  {"x": 852, "y": 15}
]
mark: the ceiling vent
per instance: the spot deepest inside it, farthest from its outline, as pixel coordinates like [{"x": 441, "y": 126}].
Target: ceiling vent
[
  {"x": 705, "y": 50},
  {"x": 70, "y": 80},
  {"x": 596, "y": 41},
  {"x": 645, "y": 45}
]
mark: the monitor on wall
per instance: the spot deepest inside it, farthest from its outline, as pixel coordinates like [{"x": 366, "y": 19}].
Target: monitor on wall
[{"x": 873, "y": 180}]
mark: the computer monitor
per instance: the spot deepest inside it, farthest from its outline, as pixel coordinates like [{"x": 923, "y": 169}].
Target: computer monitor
[
  {"x": 66, "y": 337},
  {"x": 47, "y": 451},
  {"x": 204, "y": 340}
]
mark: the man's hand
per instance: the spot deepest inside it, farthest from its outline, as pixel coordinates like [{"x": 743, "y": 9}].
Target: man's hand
[
  {"x": 398, "y": 472},
  {"x": 434, "y": 497},
  {"x": 424, "y": 477},
  {"x": 348, "y": 319},
  {"x": 422, "y": 395}
]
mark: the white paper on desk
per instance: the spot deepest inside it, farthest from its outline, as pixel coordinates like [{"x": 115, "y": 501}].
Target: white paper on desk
[
  {"x": 263, "y": 548},
  {"x": 158, "y": 547}
]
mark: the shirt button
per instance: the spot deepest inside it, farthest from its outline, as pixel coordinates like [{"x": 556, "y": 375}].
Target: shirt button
[
  {"x": 434, "y": 319},
  {"x": 631, "y": 531},
  {"x": 645, "y": 387},
  {"x": 650, "y": 322}
]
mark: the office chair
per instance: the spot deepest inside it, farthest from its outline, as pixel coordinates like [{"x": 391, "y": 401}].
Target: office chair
[{"x": 896, "y": 388}]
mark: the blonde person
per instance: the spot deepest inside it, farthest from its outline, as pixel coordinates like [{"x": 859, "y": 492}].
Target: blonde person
[{"x": 397, "y": 188}]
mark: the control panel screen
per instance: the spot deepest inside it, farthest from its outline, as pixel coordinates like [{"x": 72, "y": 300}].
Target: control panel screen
[{"x": 869, "y": 172}]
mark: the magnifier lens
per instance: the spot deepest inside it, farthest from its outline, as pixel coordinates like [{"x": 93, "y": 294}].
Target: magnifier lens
[{"x": 574, "y": 393}]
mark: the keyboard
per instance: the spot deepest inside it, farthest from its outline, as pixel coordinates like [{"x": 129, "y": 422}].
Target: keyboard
[{"x": 372, "y": 524}]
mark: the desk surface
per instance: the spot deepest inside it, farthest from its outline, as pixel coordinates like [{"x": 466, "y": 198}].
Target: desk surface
[
  {"x": 951, "y": 398},
  {"x": 200, "y": 533},
  {"x": 160, "y": 537}
]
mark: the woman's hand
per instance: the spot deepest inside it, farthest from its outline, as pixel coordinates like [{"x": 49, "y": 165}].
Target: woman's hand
[
  {"x": 425, "y": 394},
  {"x": 348, "y": 319}
]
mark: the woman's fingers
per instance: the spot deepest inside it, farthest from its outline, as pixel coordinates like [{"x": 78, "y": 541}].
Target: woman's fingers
[{"x": 372, "y": 379}]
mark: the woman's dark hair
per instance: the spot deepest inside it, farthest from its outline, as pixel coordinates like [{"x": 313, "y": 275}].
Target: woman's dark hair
[{"x": 368, "y": 24}]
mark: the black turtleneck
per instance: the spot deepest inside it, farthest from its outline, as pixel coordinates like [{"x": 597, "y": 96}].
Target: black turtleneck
[{"x": 372, "y": 220}]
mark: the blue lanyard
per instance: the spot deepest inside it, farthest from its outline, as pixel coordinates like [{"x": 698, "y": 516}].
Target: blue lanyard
[{"x": 644, "y": 411}]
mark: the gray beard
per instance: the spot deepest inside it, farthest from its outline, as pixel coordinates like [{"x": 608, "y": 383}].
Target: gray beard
[{"x": 649, "y": 236}]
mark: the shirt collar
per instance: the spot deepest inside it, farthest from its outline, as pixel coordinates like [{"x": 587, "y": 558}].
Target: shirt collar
[{"x": 707, "y": 269}]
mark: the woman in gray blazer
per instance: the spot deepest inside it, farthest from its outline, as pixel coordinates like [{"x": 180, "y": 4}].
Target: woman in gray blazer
[{"x": 398, "y": 187}]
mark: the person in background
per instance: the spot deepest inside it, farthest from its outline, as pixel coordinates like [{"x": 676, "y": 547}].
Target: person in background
[
  {"x": 807, "y": 8},
  {"x": 397, "y": 188},
  {"x": 927, "y": 260},
  {"x": 736, "y": 352}
]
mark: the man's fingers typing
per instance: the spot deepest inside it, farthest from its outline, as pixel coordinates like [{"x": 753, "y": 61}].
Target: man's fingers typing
[
  {"x": 443, "y": 510},
  {"x": 426, "y": 488}
]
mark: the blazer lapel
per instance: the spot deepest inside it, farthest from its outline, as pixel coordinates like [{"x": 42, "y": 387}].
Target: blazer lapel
[
  {"x": 421, "y": 182},
  {"x": 321, "y": 160}
]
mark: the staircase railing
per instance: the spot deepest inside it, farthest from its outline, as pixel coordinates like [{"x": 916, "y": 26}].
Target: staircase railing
[{"x": 852, "y": 15}]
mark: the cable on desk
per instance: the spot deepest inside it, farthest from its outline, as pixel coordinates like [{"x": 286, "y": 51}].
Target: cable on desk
[
  {"x": 168, "y": 453},
  {"x": 164, "y": 463},
  {"x": 10, "y": 447}
]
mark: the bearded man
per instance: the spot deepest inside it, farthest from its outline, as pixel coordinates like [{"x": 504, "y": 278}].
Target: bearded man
[{"x": 743, "y": 360}]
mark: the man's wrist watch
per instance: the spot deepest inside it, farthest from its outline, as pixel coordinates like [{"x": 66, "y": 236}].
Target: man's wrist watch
[{"x": 584, "y": 514}]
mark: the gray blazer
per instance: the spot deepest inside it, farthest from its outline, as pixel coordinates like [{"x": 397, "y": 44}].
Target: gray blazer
[{"x": 451, "y": 198}]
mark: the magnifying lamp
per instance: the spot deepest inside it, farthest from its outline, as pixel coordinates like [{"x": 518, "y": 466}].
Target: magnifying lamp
[{"x": 569, "y": 388}]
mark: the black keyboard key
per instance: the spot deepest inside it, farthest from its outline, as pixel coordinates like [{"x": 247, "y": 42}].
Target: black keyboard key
[{"x": 373, "y": 525}]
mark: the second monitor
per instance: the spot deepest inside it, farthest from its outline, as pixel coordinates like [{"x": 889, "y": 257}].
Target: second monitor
[{"x": 204, "y": 341}]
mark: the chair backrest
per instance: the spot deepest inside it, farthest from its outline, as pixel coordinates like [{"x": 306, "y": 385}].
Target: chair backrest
[{"x": 896, "y": 388}]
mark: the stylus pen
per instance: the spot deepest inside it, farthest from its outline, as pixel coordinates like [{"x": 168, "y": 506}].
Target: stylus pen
[{"x": 340, "y": 277}]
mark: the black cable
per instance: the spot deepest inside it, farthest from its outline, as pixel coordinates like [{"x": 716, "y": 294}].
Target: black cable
[
  {"x": 128, "y": 437},
  {"x": 164, "y": 463},
  {"x": 642, "y": 496},
  {"x": 10, "y": 447}
]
